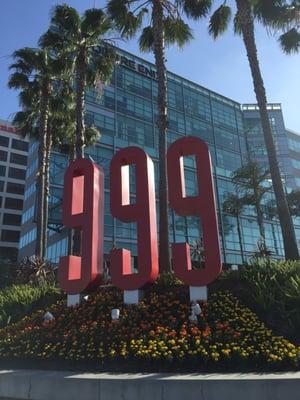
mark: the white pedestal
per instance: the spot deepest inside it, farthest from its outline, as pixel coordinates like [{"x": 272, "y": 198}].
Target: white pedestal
[
  {"x": 198, "y": 293},
  {"x": 73, "y": 299},
  {"x": 133, "y": 296}
]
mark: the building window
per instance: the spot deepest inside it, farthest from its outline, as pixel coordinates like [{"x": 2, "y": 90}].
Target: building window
[
  {"x": 13, "y": 204},
  {"x": 28, "y": 214},
  {"x": 10, "y": 236},
  {"x": 3, "y": 155},
  {"x": 29, "y": 191},
  {"x": 2, "y": 170},
  {"x": 19, "y": 145},
  {"x": 18, "y": 159},
  {"x": 1, "y": 186},
  {"x": 15, "y": 188},
  {"x": 4, "y": 141},
  {"x": 17, "y": 173},
  {"x": 11, "y": 219},
  {"x": 27, "y": 238}
]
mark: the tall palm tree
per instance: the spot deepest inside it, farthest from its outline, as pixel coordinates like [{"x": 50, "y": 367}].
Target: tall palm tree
[
  {"x": 59, "y": 128},
  {"x": 160, "y": 24},
  {"x": 234, "y": 205},
  {"x": 250, "y": 181},
  {"x": 264, "y": 11},
  {"x": 34, "y": 71},
  {"x": 84, "y": 40}
]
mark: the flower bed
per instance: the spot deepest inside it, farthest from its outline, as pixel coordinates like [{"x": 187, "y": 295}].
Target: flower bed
[{"x": 156, "y": 335}]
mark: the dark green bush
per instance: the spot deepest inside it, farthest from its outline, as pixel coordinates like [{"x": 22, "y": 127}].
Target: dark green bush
[
  {"x": 36, "y": 271},
  {"x": 272, "y": 289},
  {"x": 18, "y": 300}
]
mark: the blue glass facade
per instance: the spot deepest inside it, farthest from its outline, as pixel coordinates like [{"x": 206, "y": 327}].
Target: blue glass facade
[{"x": 126, "y": 113}]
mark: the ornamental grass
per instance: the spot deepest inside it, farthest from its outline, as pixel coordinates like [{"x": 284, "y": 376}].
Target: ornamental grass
[{"x": 156, "y": 335}]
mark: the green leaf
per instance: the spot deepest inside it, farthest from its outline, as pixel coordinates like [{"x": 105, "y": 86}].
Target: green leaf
[
  {"x": 146, "y": 39},
  {"x": 95, "y": 23},
  {"x": 219, "y": 21},
  {"x": 196, "y": 9},
  {"x": 177, "y": 31},
  {"x": 125, "y": 20},
  {"x": 290, "y": 41}
]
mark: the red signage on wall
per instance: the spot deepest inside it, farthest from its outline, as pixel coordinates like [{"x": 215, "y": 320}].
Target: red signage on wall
[{"x": 83, "y": 208}]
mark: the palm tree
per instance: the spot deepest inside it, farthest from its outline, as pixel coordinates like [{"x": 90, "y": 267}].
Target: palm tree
[
  {"x": 250, "y": 181},
  {"x": 264, "y": 11},
  {"x": 271, "y": 214},
  {"x": 234, "y": 205},
  {"x": 58, "y": 129},
  {"x": 288, "y": 21},
  {"x": 164, "y": 26},
  {"x": 83, "y": 40},
  {"x": 34, "y": 71}
]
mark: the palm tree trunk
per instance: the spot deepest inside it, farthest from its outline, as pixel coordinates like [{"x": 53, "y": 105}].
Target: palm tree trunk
[
  {"x": 260, "y": 220},
  {"x": 287, "y": 228},
  {"x": 80, "y": 103},
  {"x": 40, "y": 222},
  {"x": 238, "y": 225},
  {"x": 162, "y": 122},
  {"x": 47, "y": 186}
]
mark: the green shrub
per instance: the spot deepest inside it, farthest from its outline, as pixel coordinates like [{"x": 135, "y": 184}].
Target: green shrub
[
  {"x": 36, "y": 271},
  {"x": 272, "y": 289},
  {"x": 18, "y": 300}
]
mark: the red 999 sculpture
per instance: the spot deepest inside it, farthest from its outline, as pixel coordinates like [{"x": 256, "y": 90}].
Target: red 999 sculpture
[{"x": 83, "y": 208}]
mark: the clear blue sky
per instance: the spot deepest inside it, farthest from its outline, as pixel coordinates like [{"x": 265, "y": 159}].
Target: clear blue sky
[{"x": 218, "y": 65}]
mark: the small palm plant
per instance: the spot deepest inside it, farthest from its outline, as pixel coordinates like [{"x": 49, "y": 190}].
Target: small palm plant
[{"x": 234, "y": 205}]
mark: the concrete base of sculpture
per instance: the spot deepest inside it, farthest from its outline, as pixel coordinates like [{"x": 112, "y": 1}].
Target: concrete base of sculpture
[
  {"x": 198, "y": 293},
  {"x": 133, "y": 296}
]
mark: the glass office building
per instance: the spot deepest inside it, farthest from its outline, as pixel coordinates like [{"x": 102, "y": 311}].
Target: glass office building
[{"x": 126, "y": 113}]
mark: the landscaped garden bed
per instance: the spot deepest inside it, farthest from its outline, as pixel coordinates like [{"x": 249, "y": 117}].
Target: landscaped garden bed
[{"x": 156, "y": 335}]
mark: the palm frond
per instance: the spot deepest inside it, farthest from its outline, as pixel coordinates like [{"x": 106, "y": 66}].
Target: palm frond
[
  {"x": 126, "y": 21},
  {"x": 290, "y": 41},
  {"x": 177, "y": 31},
  {"x": 196, "y": 9},
  {"x": 237, "y": 25},
  {"x": 65, "y": 20},
  {"x": 92, "y": 134},
  {"x": 219, "y": 21},
  {"x": 146, "y": 39},
  {"x": 95, "y": 23},
  {"x": 18, "y": 80}
]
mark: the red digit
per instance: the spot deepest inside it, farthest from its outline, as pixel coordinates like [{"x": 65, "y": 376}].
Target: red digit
[
  {"x": 202, "y": 205},
  {"x": 83, "y": 208},
  {"x": 143, "y": 212}
]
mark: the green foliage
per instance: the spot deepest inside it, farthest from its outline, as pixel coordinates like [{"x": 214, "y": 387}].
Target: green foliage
[
  {"x": 272, "y": 289},
  {"x": 290, "y": 41},
  {"x": 219, "y": 21},
  {"x": 18, "y": 300},
  {"x": 196, "y": 9},
  {"x": 167, "y": 279},
  {"x": 36, "y": 271}
]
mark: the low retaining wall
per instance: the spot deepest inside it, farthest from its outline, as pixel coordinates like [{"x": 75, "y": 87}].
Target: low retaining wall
[{"x": 57, "y": 385}]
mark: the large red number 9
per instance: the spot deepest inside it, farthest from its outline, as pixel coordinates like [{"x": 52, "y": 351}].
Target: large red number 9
[
  {"x": 143, "y": 212},
  {"x": 202, "y": 205},
  {"x": 83, "y": 208}
]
